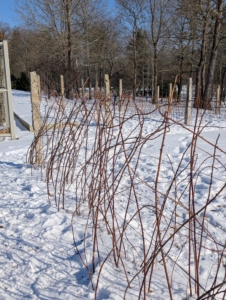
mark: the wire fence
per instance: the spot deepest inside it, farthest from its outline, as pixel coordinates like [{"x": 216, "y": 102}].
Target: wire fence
[{"x": 141, "y": 223}]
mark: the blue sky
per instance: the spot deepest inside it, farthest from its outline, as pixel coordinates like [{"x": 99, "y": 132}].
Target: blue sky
[
  {"x": 8, "y": 15},
  {"x": 110, "y": 3}
]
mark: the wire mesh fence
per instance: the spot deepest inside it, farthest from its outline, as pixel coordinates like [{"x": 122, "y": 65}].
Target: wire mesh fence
[
  {"x": 2, "y": 95},
  {"x": 134, "y": 221}
]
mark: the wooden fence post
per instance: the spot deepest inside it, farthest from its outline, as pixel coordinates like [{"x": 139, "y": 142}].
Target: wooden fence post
[
  {"x": 6, "y": 108},
  {"x": 107, "y": 103},
  {"x": 2, "y": 85},
  {"x": 188, "y": 108},
  {"x": 172, "y": 88},
  {"x": 82, "y": 83},
  {"x": 9, "y": 90},
  {"x": 96, "y": 82},
  {"x": 36, "y": 116},
  {"x": 170, "y": 99},
  {"x": 157, "y": 96},
  {"x": 217, "y": 111},
  {"x": 62, "y": 91},
  {"x": 120, "y": 96}
]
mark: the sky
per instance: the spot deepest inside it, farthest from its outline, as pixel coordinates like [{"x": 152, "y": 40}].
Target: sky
[{"x": 8, "y": 15}]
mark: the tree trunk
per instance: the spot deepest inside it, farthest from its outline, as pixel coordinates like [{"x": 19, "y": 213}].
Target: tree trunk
[
  {"x": 69, "y": 93},
  {"x": 200, "y": 70},
  {"x": 155, "y": 75},
  {"x": 222, "y": 93},
  {"x": 207, "y": 96},
  {"x": 179, "y": 85},
  {"x": 134, "y": 64},
  {"x": 143, "y": 82}
]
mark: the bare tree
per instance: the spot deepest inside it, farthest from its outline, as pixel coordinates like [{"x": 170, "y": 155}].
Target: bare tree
[
  {"x": 181, "y": 42},
  {"x": 217, "y": 15},
  {"x": 5, "y": 31},
  {"x": 159, "y": 21},
  {"x": 132, "y": 12},
  {"x": 90, "y": 15},
  {"x": 55, "y": 17},
  {"x": 203, "y": 11},
  {"x": 205, "y": 24}
]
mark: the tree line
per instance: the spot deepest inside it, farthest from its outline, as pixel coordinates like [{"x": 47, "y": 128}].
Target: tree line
[{"x": 147, "y": 43}]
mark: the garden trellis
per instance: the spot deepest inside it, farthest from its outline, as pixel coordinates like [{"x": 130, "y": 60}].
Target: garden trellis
[{"x": 7, "y": 128}]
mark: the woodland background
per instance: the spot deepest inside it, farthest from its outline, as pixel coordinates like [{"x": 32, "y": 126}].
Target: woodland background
[{"x": 144, "y": 42}]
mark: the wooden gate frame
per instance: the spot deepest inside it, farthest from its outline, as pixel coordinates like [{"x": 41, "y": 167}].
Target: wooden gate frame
[{"x": 8, "y": 91}]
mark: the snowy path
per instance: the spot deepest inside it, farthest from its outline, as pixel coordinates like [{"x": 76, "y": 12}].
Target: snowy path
[
  {"x": 37, "y": 253},
  {"x": 22, "y": 105},
  {"x": 38, "y": 259}
]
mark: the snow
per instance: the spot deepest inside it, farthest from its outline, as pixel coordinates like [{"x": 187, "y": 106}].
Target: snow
[
  {"x": 40, "y": 258},
  {"x": 22, "y": 105}
]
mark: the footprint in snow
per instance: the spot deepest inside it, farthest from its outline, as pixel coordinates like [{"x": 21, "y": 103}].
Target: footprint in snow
[
  {"x": 179, "y": 150},
  {"x": 185, "y": 141}
]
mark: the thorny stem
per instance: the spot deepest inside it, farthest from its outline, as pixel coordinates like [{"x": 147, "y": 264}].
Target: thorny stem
[{"x": 101, "y": 168}]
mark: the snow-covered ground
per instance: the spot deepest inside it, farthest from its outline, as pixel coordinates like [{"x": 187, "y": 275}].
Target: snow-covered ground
[
  {"x": 38, "y": 257},
  {"x": 37, "y": 254}
]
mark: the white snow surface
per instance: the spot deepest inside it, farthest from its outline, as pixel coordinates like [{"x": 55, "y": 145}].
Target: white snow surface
[
  {"x": 22, "y": 108},
  {"x": 38, "y": 257}
]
